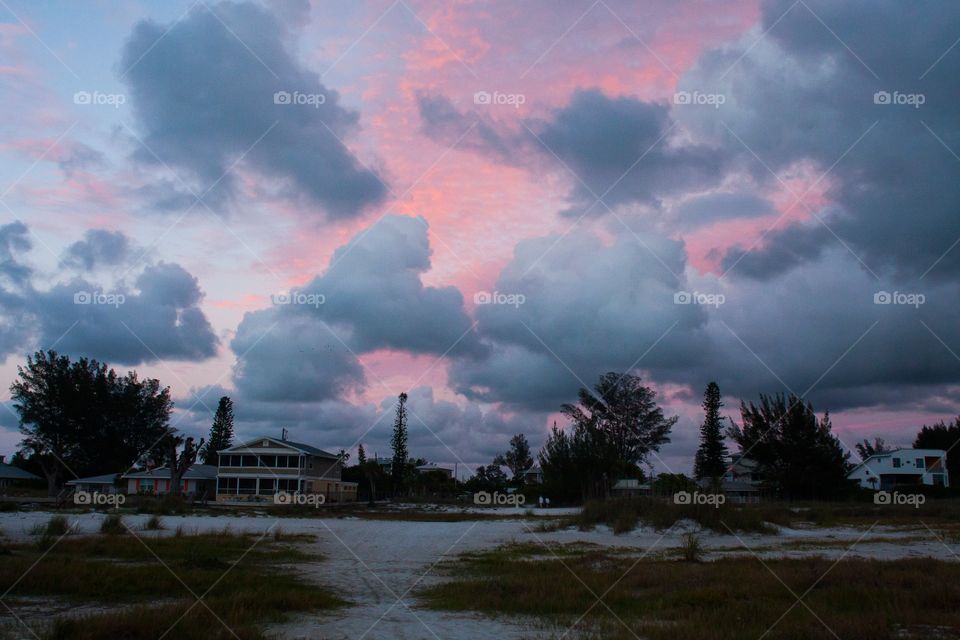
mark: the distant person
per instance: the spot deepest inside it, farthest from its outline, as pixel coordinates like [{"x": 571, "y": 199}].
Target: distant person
[
  {"x": 547, "y": 501},
  {"x": 540, "y": 501}
]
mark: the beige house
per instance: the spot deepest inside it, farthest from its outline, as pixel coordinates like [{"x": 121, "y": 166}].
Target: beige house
[{"x": 259, "y": 469}]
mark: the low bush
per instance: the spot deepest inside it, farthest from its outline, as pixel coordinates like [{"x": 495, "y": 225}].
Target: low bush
[{"x": 113, "y": 525}]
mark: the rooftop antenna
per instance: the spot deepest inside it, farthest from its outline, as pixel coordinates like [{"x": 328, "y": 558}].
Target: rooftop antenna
[{"x": 283, "y": 434}]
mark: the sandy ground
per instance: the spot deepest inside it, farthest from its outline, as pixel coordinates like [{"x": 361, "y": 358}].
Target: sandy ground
[{"x": 379, "y": 565}]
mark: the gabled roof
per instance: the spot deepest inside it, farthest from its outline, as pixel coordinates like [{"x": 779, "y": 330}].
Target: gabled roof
[
  {"x": 195, "y": 472},
  {"x": 10, "y": 472},
  {"x": 108, "y": 478},
  {"x": 299, "y": 446},
  {"x": 432, "y": 466}
]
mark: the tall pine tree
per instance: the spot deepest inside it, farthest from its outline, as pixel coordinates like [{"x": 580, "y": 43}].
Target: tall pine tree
[
  {"x": 221, "y": 432},
  {"x": 361, "y": 455},
  {"x": 711, "y": 459},
  {"x": 399, "y": 444}
]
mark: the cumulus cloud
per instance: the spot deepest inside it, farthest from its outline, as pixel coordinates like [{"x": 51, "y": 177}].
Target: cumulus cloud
[
  {"x": 592, "y": 307},
  {"x": 99, "y": 247},
  {"x": 157, "y": 316},
  {"x": 371, "y": 297},
  {"x": 589, "y": 307},
  {"x": 622, "y": 150},
  {"x": 806, "y": 94},
  {"x": 221, "y": 85},
  {"x": 15, "y": 320}
]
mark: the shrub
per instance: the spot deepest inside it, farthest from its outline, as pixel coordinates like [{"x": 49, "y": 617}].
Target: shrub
[
  {"x": 625, "y": 521},
  {"x": 691, "y": 549},
  {"x": 113, "y": 525},
  {"x": 154, "y": 523},
  {"x": 7, "y": 507},
  {"x": 56, "y": 526}
]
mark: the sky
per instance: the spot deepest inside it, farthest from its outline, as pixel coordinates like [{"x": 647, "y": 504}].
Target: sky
[{"x": 313, "y": 207}]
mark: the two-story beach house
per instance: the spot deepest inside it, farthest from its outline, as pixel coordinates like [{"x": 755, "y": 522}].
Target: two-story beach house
[
  {"x": 258, "y": 469},
  {"x": 899, "y": 467}
]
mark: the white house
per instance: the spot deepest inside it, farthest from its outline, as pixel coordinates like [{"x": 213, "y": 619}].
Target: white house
[
  {"x": 433, "y": 467},
  {"x": 887, "y": 470},
  {"x": 258, "y": 469}
]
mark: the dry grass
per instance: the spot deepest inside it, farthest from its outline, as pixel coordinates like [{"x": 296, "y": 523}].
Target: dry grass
[
  {"x": 136, "y": 572},
  {"x": 725, "y": 599}
]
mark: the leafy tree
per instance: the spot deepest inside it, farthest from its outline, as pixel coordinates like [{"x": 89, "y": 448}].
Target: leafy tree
[
  {"x": 487, "y": 478},
  {"x": 711, "y": 458},
  {"x": 667, "y": 484},
  {"x": 221, "y": 432},
  {"x": 560, "y": 477},
  {"x": 797, "y": 455},
  {"x": 615, "y": 428},
  {"x": 82, "y": 418},
  {"x": 399, "y": 445},
  {"x": 517, "y": 459},
  {"x": 343, "y": 456},
  {"x": 943, "y": 436},
  {"x": 866, "y": 448},
  {"x": 361, "y": 455}
]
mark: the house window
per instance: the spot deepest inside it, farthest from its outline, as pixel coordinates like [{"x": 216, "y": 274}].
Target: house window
[
  {"x": 247, "y": 485},
  {"x": 896, "y": 463},
  {"x": 267, "y": 486},
  {"x": 919, "y": 463}
]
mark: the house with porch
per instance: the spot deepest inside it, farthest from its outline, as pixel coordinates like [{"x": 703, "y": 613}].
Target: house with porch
[
  {"x": 902, "y": 467},
  {"x": 258, "y": 469}
]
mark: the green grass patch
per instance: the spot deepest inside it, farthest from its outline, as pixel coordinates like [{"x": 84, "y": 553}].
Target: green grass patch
[{"x": 725, "y": 599}]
